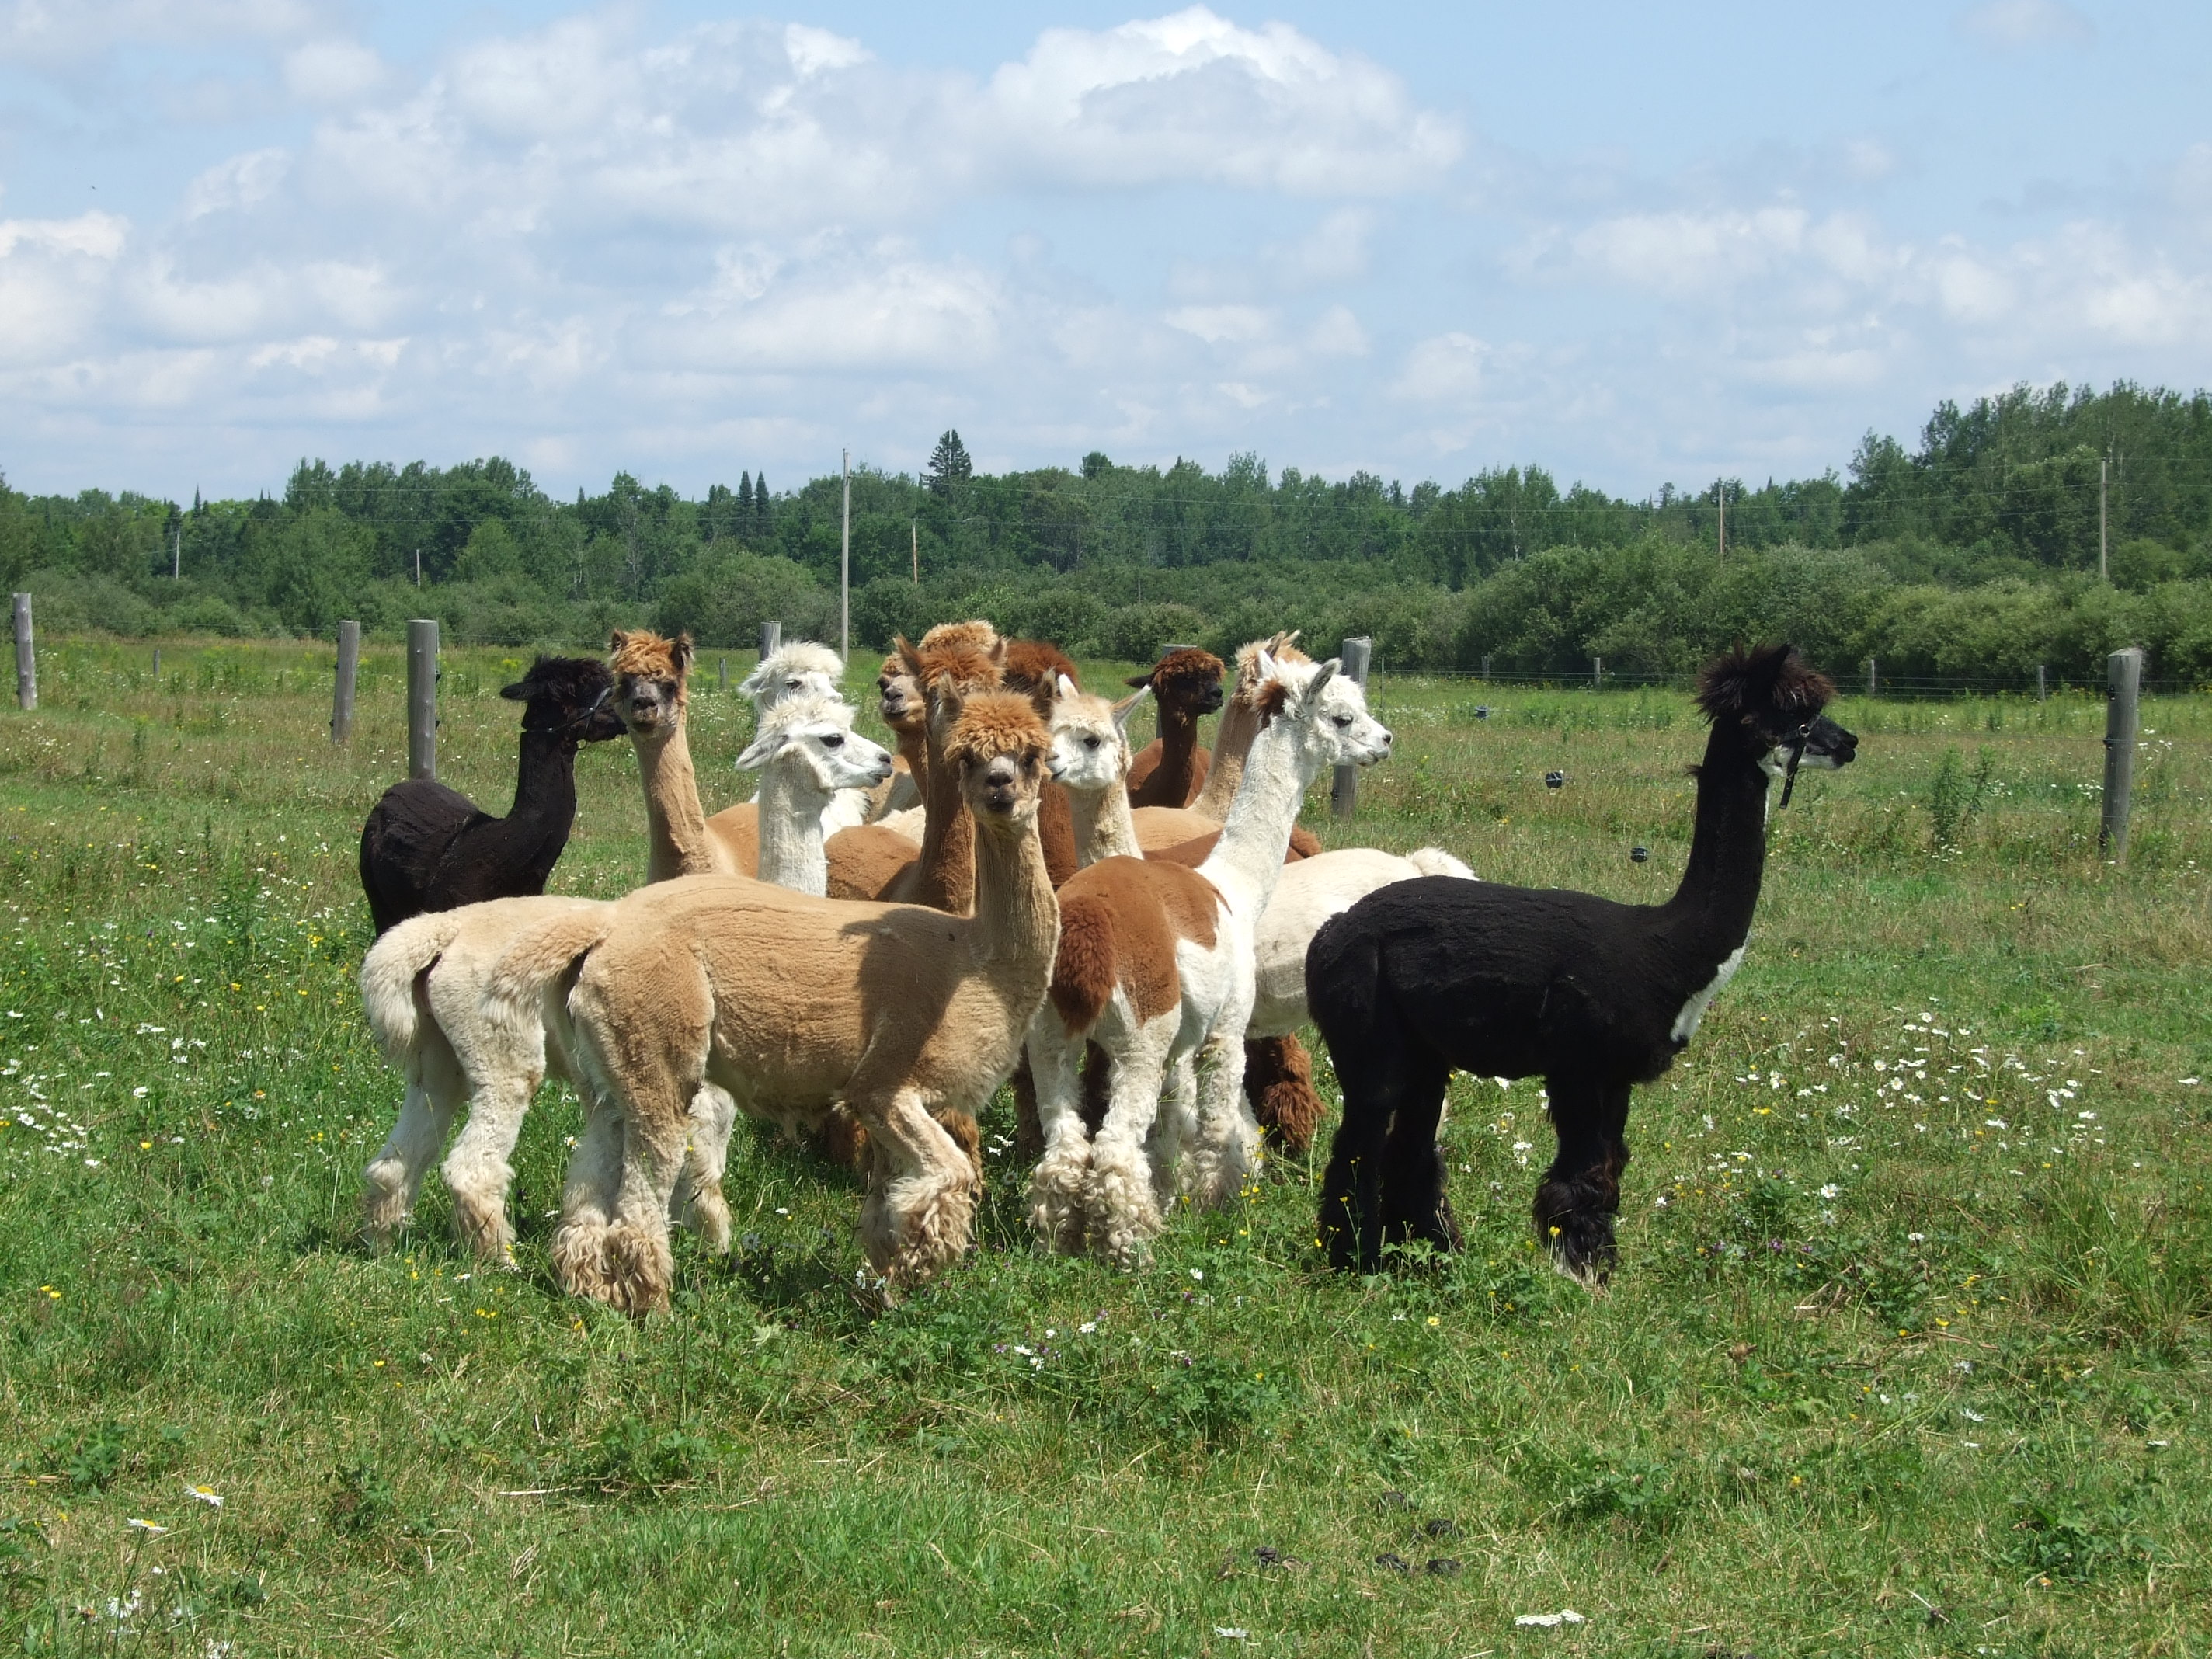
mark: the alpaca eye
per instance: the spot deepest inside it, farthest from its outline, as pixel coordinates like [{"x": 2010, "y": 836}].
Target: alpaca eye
[
  {"x": 1090, "y": 742},
  {"x": 1344, "y": 720},
  {"x": 833, "y": 741}
]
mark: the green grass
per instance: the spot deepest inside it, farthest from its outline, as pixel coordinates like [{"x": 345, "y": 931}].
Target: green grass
[{"x": 1907, "y": 1353}]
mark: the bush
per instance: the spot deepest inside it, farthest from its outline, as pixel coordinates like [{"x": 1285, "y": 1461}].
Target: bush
[{"x": 723, "y": 601}]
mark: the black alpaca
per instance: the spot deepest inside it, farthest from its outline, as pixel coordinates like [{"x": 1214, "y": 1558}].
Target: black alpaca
[
  {"x": 1424, "y": 977},
  {"x": 429, "y": 848}
]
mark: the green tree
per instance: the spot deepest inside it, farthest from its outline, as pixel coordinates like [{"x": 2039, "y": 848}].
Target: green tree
[{"x": 949, "y": 466}]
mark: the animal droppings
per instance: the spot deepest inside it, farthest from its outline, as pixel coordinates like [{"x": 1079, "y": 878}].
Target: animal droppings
[
  {"x": 1392, "y": 1563},
  {"x": 1441, "y": 1528},
  {"x": 1555, "y": 780},
  {"x": 1394, "y": 1500},
  {"x": 1444, "y": 1566},
  {"x": 1638, "y": 854}
]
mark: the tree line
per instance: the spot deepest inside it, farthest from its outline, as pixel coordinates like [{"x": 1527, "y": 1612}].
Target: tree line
[{"x": 1976, "y": 554}]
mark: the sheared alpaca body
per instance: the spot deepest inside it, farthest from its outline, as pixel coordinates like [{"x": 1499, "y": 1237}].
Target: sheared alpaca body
[
  {"x": 793, "y": 1005},
  {"x": 429, "y": 848},
  {"x": 1309, "y": 892},
  {"x": 1428, "y": 976},
  {"x": 1155, "y": 967},
  {"x": 1171, "y": 769},
  {"x": 424, "y": 989}
]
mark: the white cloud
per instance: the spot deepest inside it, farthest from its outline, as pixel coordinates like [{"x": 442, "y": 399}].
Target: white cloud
[
  {"x": 332, "y": 71},
  {"x": 54, "y": 280},
  {"x": 67, "y": 31},
  {"x": 1221, "y": 324},
  {"x": 2018, "y": 25},
  {"x": 1446, "y": 369},
  {"x": 239, "y": 182}
]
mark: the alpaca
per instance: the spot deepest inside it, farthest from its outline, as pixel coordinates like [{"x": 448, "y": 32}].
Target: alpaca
[
  {"x": 1424, "y": 977},
  {"x": 1155, "y": 966},
  {"x": 798, "y": 669},
  {"x": 898, "y": 700},
  {"x": 793, "y": 1004},
  {"x": 1171, "y": 769},
  {"x": 423, "y": 987},
  {"x": 429, "y": 848},
  {"x": 653, "y": 696}
]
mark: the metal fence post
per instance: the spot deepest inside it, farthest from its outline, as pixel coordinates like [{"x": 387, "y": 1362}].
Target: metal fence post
[
  {"x": 342, "y": 692},
  {"x": 27, "y": 664},
  {"x": 1344, "y": 788},
  {"x": 422, "y": 697},
  {"x": 2123, "y": 687}
]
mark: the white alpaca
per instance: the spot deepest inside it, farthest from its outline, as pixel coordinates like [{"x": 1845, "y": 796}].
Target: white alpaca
[
  {"x": 422, "y": 988},
  {"x": 798, "y": 669},
  {"x": 1308, "y": 894},
  {"x": 1156, "y": 966}
]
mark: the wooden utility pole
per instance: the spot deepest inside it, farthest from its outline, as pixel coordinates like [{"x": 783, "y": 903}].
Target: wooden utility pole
[
  {"x": 915, "y": 531},
  {"x": 771, "y": 639},
  {"x": 1344, "y": 788},
  {"x": 342, "y": 693},
  {"x": 1720, "y": 498},
  {"x": 2123, "y": 687},
  {"x": 26, "y": 663},
  {"x": 845, "y": 569},
  {"x": 422, "y": 697},
  {"x": 176, "y": 553},
  {"x": 2104, "y": 523}
]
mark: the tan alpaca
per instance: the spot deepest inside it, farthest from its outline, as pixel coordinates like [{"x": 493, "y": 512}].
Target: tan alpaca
[{"x": 794, "y": 1004}]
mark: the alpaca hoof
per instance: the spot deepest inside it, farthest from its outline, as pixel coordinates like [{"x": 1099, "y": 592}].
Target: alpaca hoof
[
  {"x": 578, "y": 1263},
  {"x": 637, "y": 1267},
  {"x": 1582, "y": 1249},
  {"x": 709, "y": 1220},
  {"x": 1056, "y": 1200},
  {"x": 482, "y": 1230},
  {"x": 385, "y": 1210},
  {"x": 1125, "y": 1211}
]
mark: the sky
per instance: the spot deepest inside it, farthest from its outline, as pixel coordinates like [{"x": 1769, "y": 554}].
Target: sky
[{"x": 1636, "y": 244}]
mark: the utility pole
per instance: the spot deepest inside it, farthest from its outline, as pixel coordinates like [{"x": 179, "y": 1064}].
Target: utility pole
[
  {"x": 2105, "y": 536},
  {"x": 1720, "y": 496},
  {"x": 845, "y": 569},
  {"x": 177, "y": 554},
  {"x": 418, "y": 567},
  {"x": 913, "y": 530}
]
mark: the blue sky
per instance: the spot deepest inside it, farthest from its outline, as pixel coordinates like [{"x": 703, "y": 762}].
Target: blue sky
[{"x": 1636, "y": 244}]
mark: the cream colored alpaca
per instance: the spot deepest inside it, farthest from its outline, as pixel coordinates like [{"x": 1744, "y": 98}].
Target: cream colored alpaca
[
  {"x": 422, "y": 989},
  {"x": 793, "y": 1005},
  {"x": 805, "y": 669},
  {"x": 1155, "y": 965},
  {"x": 1309, "y": 892}
]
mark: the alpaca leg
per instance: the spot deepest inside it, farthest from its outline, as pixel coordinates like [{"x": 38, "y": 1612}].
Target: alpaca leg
[
  {"x": 699, "y": 1203},
  {"x": 1580, "y": 1193},
  {"x": 1382, "y": 1075},
  {"x": 587, "y": 1201},
  {"x": 395, "y": 1177},
  {"x": 1175, "y": 1132},
  {"x": 1124, "y": 1209},
  {"x": 919, "y": 1215},
  {"x": 1028, "y": 1123},
  {"x": 1415, "y": 1206},
  {"x": 1279, "y": 1082},
  {"x": 1056, "y": 1184},
  {"x": 1227, "y": 1149},
  {"x": 477, "y": 1171},
  {"x": 967, "y": 1135},
  {"x": 843, "y": 1141}
]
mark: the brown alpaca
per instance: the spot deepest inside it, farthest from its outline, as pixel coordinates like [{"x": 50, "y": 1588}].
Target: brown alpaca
[
  {"x": 793, "y": 1004},
  {"x": 1034, "y": 668},
  {"x": 899, "y": 700},
  {"x": 1171, "y": 768},
  {"x": 653, "y": 695}
]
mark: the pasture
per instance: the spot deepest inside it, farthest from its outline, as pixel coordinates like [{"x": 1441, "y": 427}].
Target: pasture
[{"x": 1908, "y": 1352}]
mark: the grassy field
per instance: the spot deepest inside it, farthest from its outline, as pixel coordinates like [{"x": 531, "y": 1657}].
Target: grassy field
[{"x": 1907, "y": 1354}]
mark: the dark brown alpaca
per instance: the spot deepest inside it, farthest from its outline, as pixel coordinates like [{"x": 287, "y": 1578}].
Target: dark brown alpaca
[{"x": 1171, "y": 770}]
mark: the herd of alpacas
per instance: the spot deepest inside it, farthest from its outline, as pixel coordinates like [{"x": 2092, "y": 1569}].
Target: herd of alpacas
[{"x": 867, "y": 950}]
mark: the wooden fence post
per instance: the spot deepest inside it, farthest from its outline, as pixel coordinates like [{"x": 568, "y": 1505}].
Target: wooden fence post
[
  {"x": 1870, "y": 671},
  {"x": 342, "y": 692},
  {"x": 721, "y": 673},
  {"x": 422, "y": 697},
  {"x": 1344, "y": 788},
  {"x": 1597, "y": 674},
  {"x": 1486, "y": 668},
  {"x": 157, "y": 668},
  {"x": 27, "y": 664},
  {"x": 771, "y": 639},
  {"x": 2042, "y": 683},
  {"x": 2122, "y": 687}
]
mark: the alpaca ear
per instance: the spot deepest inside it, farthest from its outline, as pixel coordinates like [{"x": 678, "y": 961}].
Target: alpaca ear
[
  {"x": 1121, "y": 715},
  {"x": 761, "y": 750},
  {"x": 1263, "y": 664},
  {"x": 908, "y": 655},
  {"x": 615, "y": 644},
  {"x": 1066, "y": 686},
  {"x": 679, "y": 652},
  {"x": 1142, "y": 682},
  {"x": 518, "y": 692},
  {"x": 1310, "y": 697}
]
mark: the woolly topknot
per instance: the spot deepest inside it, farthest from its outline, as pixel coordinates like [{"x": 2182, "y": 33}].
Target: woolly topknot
[
  {"x": 957, "y": 666},
  {"x": 1283, "y": 647},
  {"x": 1181, "y": 673},
  {"x": 639, "y": 652},
  {"x": 800, "y": 657},
  {"x": 977, "y": 632},
  {"x": 1033, "y": 667},
  {"x": 812, "y": 706},
  {"x": 1764, "y": 679},
  {"x": 577, "y": 682},
  {"x": 995, "y": 723}
]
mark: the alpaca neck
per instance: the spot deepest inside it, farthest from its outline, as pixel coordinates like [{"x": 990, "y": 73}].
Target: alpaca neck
[
  {"x": 1171, "y": 784},
  {"x": 1104, "y": 827},
  {"x": 1728, "y": 850},
  {"x": 1017, "y": 927},
  {"x": 545, "y": 782},
  {"x": 790, "y": 827},
  {"x": 913, "y": 750},
  {"x": 946, "y": 878},
  {"x": 677, "y": 843},
  {"x": 1258, "y": 830},
  {"x": 1232, "y": 741}
]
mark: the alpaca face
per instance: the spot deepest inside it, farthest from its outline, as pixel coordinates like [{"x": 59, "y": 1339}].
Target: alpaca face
[
  {"x": 649, "y": 674},
  {"x": 1186, "y": 683},
  {"x": 897, "y": 698},
  {"x": 1002, "y": 789},
  {"x": 1827, "y": 748},
  {"x": 818, "y": 739},
  {"x": 1089, "y": 740},
  {"x": 573, "y": 696},
  {"x": 1329, "y": 715}
]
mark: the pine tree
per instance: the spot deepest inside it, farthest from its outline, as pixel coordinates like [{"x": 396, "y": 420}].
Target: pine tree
[
  {"x": 949, "y": 466},
  {"x": 744, "y": 503},
  {"x": 764, "y": 513}
]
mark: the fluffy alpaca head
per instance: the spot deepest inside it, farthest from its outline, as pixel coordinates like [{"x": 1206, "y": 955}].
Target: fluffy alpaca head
[
  {"x": 898, "y": 699},
  {"x": 796, "y": 670},
  {"x": 1187, "y": 683},
  {"x": 573, "y": 695},
  {"x": 948, "y": 666},
  {"x": 814, "y": 734},
  {"x": 1090, "y": 738},
  {"x": 649, "y": 671},
  {"x": 1774, "y": 697},
  {"x": 1000, "y": 750},
  {"x": 1323, "y": 712},
  {"x": 1282, "y": 648},
  {"x": 1034, "y": 668},
  {"x": 977, "y": 632}
]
